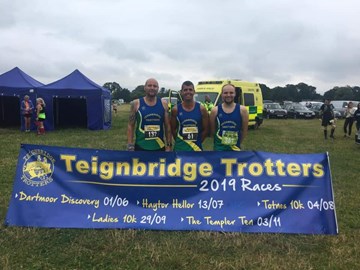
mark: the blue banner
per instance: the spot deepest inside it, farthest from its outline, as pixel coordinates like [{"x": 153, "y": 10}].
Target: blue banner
[{"x": 217, "y": 191}]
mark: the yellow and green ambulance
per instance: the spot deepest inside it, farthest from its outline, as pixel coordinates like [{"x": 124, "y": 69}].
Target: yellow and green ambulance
[{"x": 247, "y": 94}]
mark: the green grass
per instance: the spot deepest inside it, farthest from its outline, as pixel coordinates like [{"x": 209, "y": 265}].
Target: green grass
[{"x": 36, "y": 248}]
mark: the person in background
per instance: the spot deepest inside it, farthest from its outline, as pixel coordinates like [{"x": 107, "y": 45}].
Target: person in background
[
  {"x": 114, "y": 107},
  {"x": 208, "y": 104},
  {"x": 349, "y": 119},
  {"x": 149, "y": 121},
  {"x": 189, "y": 121},
  {"x": 40, "y": 116},
  {"x": 228, "y": 122},
  {"x": 27, "y": 109},
  {"x": 327, "y": 118},
  {"x": 357, "y": 121}
]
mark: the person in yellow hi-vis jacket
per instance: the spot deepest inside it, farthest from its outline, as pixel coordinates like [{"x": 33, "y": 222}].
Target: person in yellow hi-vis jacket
[{"x": 208, "y": 104}]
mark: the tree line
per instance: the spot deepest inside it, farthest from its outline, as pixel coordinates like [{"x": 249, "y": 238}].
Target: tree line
[
  {"x": 291, "y": 92},
  {"x": 303, "y": 92},
  {"x": 117, "y": 92}
]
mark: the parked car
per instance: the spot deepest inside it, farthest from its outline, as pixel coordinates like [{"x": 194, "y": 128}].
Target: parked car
[
  {"x": 310, "y": 104},
  {"x": 341, "y": 105},
  {"x": 274, "y": 110},
  {"x": 296, "y": 110},
  {"x": 316, "y": 109},
  {"x": 286, "y": 103},
  {"x": 267, "y": 101}
]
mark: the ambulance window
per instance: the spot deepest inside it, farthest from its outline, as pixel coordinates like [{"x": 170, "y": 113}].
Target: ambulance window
[
  {"x": 238, "y": 95},
  {"x": 249, "y": 99}
]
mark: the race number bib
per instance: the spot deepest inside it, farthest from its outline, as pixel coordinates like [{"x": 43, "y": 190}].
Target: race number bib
[
  {"x": 151, "y": 132},
  {"x": 229, "y": 137},
  {"x": 190, "y": 133}
]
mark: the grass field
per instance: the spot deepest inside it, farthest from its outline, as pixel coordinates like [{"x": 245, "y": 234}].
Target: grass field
[{"x": 35, "y": 248}]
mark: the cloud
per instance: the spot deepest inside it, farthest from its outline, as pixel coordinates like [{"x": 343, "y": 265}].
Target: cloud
[{"x": 275, "y": 42}]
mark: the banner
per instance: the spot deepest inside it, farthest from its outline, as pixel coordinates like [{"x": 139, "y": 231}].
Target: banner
[{"x": 243, "y": 191}]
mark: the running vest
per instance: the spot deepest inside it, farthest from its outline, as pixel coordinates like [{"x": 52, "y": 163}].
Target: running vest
[
  {"x": 189, "y": 129},
  {"x": 228, "y": 130},
  {"x": 150, "y": 125},
  {"x": 327, "y": 110}
]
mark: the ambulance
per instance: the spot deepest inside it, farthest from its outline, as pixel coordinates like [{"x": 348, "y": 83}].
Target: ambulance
[{"x": 247, "y": 94}]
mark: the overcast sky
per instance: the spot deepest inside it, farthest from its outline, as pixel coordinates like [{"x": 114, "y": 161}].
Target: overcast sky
[{"x": 275, "y": 42}]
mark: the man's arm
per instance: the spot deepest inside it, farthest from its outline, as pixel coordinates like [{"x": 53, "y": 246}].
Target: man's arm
[
  {"x": 321, "y": 111},
  {"x": 205, "y": 122},
  {"x": 134, "y": 105},
  {"x": 245, "y": 122},
  {"x": 173, "y": 121},
  {"x": 168, "y": 144},
  {"x": 213, "y": 115}
]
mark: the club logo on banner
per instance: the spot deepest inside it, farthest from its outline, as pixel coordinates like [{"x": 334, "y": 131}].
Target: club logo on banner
[
  {"x": 245, "y": 191},
  {"x": 38, "y": 168}
]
